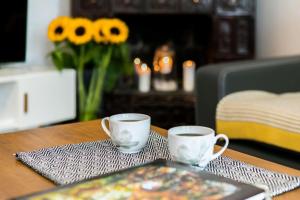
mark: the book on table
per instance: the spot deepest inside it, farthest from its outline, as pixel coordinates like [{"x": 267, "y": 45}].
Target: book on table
[{"x": 160, "y": 179}]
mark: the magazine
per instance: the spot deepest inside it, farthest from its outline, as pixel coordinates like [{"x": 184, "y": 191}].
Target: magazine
[{"x": 160, "y": 179}]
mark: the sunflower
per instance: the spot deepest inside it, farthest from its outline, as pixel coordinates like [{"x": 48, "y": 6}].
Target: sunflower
[
  {"x": 57, "y": 29},
  {"x": 98, "y": 30},
  {"x": 80, "y": 31},
  {"x": 116, "y": 31}
]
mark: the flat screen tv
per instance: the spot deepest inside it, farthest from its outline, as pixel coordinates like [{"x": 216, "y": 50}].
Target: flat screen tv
[{"x": 13, "y": 20}]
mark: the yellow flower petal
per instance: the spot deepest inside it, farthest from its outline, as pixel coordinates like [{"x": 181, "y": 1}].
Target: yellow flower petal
[
  {"x": 116, "y": 31},
  {"x": 80, "y": 31},
  {"x": 57, "y": 29},
  {"x": 98, "y": 30}
]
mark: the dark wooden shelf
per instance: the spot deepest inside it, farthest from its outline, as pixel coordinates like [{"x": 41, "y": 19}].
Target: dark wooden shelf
[
  {"x": 167, "y": 109},
  {"x": 231, "y": 36}
]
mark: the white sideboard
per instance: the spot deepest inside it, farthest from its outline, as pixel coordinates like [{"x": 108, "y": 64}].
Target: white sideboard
[{"x": 35, "y": 97}]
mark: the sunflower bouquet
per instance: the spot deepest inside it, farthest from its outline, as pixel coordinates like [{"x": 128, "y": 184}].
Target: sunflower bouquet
[{"x": 99, "y": 46}]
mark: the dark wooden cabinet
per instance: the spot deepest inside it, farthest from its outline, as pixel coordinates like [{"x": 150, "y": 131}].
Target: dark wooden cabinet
[
  {"x": 233, "y": 38},
  {"x": 167, "y": 109},
  {"x": 231, "y": 32},
  {"x": 91, "y": 8},
  {"x": 196, "y": 6},
  {"x": 201, "y": 30},
  {"x": 235, "y": 7},
  {"x": 128, "y": 6},
  {"x": 162, "y": 6}
]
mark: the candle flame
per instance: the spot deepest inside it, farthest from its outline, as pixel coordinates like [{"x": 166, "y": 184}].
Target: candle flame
[
  {"x": 165, "y": 65},
  {"x": 137, "y": 61},
  {"x": 189, "y": 63},
  {"x": 166, "y": 59},
  {"x": 143, "y": 68},
  {"x": 156, "y": 68}
]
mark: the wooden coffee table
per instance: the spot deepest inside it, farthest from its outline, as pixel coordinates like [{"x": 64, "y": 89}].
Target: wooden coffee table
[{"x": 16, "y": 179}]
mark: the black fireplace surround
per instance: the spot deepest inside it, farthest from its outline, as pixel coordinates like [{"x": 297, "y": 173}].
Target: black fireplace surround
[{"x": 206, "y": 31}]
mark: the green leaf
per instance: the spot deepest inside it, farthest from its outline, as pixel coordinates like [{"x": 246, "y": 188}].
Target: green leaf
[
  {"x": 57, "y": 59},
  {"x": 98, "y": 52},
  {"x": 68, "y": 60},
  {"x": 125, "y": 55},
  {"x": 116, "y": 52},
  {"x": 62, "y": 59},
  {"x": 119, "y": 66},
  {"x": 112, "y": 76},
  {"x": 89, "y": 55}
]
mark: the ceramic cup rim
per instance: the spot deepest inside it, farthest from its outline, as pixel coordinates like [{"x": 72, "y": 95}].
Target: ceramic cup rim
[
  {"x": 116, "y": 118},
  {"x": 210, "y": 131}
]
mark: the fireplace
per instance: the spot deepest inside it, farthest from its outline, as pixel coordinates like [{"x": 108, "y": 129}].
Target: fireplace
[{"x": 204, "y": 31}]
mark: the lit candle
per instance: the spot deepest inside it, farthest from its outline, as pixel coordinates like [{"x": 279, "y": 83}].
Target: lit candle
[
  {"x": 144, "y": 78},
  {"x": 165, "y": 64},
  {"x": 137, "y": 64},
  {"x": 188, "y": 75}
]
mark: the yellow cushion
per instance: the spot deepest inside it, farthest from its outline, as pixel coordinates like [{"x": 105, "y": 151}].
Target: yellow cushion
[
  {"x": 261, "y": 116},
  {"x": 261, "y": 133}
]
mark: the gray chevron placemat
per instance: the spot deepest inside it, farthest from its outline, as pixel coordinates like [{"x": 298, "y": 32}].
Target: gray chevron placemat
[{"x": 74, "y": 162}]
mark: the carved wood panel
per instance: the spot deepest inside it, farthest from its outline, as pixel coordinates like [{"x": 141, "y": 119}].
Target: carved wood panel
[
  {"x": 235, "y": 7},
  {"x": 91, "y": 8},
  {"x": 233, "y": 38},
  {"x": 128, "y": 6},
  {"x": 162, "y": 6}
]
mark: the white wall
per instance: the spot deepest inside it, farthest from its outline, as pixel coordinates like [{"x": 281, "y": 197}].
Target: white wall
[
  {"x": 40, "y": 14},
  {"x": 277, "y": 28}
]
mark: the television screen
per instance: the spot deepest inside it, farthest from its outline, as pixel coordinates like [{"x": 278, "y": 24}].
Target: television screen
[{"x": 13, "y": 19}]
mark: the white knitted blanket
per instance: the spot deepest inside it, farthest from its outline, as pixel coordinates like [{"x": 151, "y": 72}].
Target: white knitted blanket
[{"x": 281, "y": 111}]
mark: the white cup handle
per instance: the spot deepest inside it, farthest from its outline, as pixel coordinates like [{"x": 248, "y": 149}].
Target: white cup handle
[
  {"x": 214, "y": 156},
  {"x": 104, "y": 127}
]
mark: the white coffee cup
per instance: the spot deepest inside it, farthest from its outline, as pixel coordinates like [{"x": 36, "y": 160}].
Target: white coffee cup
[
  {"x": 128, "y": 131},
  {"x": 194, "y": 145}
]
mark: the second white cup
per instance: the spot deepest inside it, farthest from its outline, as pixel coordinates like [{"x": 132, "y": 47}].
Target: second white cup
[{"x": 194, "y": 145}]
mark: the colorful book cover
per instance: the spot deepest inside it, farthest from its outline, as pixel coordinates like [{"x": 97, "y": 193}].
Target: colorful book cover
[{"x": 159, "y": 180}]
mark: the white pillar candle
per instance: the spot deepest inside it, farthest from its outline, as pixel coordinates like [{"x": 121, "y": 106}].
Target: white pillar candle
[
  {"x": 188, "y": 75},
  {"x": 144, "y": 78}
]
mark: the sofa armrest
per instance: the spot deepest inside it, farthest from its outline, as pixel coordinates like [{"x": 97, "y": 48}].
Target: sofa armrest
[{"x": 215, "y": 81}]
